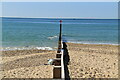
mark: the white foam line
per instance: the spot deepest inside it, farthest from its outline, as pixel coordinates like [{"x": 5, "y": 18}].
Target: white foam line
[
  {"x": 93, "y": 43},
  {"x": 25, "y": 48}
]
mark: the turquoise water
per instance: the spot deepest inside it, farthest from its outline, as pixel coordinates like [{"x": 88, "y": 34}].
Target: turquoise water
[{"x": 43, "y": 32}]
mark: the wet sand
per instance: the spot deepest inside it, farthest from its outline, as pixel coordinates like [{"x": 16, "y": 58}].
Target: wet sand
[{"x": 93, "y": 61}]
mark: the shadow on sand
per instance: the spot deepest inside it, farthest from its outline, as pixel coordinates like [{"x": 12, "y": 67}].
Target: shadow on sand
[{"x": 66, "y": 61}]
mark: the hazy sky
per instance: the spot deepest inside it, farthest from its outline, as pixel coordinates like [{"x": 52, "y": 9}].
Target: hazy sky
[{"x": 61, "y": 9}]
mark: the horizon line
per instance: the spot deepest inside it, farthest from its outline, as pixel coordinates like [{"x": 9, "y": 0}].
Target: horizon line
[{"x": 59, "y": 17}]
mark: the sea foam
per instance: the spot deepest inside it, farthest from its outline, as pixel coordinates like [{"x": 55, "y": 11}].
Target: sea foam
[
  {"x": 78, "y": 42},
  {"x": 52, "y": 37},
  {"x": 25, "y": 48}
]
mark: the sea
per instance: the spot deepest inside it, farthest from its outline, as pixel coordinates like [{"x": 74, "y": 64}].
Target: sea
[{"x": 43, "y": 33}]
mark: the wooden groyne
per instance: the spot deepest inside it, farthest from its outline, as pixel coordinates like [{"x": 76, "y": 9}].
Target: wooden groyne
[{"x": 58, "y": 70}]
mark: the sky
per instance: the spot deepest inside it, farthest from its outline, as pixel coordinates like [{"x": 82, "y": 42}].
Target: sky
[{"x": 99, "y": 10}]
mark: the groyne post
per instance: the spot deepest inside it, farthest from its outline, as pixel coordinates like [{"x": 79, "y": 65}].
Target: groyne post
[{"x": 58, "y": 70}]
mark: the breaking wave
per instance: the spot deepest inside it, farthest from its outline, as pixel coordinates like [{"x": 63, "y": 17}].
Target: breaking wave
[
  {"x": 52, "y": 37},
  {"x": 26, "y": 48}
]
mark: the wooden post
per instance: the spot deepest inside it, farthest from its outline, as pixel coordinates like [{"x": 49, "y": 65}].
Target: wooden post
[
  {"x": 57, "y": 72},
  {"x": 57, "y": 62},
  {"x": 60, "y": 35},
  {"x": 58, "y": 55}
]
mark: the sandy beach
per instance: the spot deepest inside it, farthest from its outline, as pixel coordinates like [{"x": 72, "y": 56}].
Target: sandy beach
[
  {"x": 86, "y": 61},
  {"x": 27, "y": 64},
  {"x": 93, "y": 61}
]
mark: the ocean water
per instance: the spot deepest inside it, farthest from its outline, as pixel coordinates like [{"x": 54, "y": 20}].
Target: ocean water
[{"x": 42, "y": 33}]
